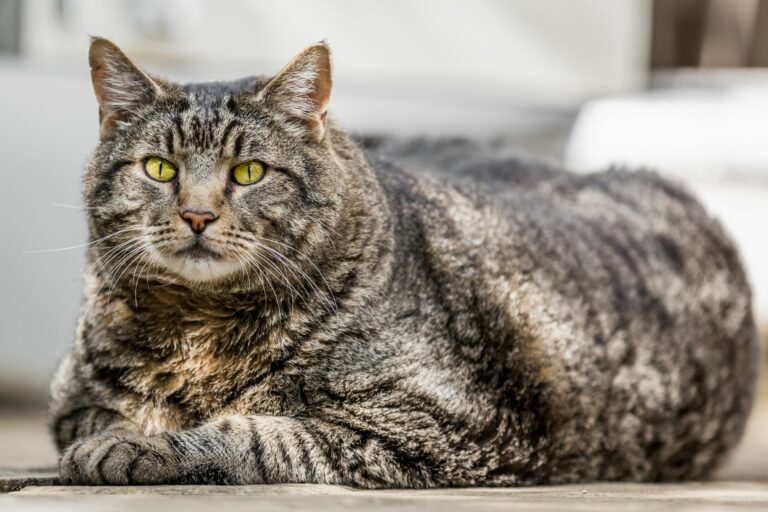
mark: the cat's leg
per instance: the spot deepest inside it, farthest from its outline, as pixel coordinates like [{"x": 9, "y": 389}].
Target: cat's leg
[
  {"x": 82, "y": 431},
  {"x": 84, "y": 422},
  {"x": 77, "y": 424},
  {"x": 251, "y": 449}
]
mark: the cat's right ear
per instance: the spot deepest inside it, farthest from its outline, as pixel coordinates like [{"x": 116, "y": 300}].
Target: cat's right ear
[
  {"x": 121, "y": 88},
  {"x": 301, "y": 91}
]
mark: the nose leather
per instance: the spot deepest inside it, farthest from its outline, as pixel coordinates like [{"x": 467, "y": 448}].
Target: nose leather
[{"x": 198, "y": 220}]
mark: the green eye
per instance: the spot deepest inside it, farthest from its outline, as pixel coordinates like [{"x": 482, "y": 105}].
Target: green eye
[
  {"x": 248, "y": 173},
  {"x": 160, "y": 169}
]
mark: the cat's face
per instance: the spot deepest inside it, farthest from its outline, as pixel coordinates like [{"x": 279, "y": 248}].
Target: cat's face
[{"x": 210, "y": 182}]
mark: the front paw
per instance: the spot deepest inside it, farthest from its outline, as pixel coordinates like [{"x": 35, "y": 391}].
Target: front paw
[{"x": 116, "y": 458}]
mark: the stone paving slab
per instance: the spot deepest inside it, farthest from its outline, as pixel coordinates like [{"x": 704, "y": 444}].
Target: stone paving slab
[
  {"x": 15, "y": 479},
  {"x": 37, "y": 490},
  {"x": 704, "y": 496}
]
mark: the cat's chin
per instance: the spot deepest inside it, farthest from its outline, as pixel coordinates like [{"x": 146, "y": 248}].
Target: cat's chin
[{"x": 201, "y": 270}]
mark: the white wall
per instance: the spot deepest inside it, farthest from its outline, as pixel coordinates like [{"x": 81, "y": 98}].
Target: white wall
[{"x": 547, "y": 51}]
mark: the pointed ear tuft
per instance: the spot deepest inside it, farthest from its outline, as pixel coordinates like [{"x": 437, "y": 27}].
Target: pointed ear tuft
[
  {"x": 121, "y": 87},
  {"x": 301, "y": 91}
]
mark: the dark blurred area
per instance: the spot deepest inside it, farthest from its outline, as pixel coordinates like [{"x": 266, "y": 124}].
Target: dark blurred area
[{"x": 709, "y": 33}]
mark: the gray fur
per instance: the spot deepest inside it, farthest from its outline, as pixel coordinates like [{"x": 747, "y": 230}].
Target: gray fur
[{"x": 500, "y": 322}]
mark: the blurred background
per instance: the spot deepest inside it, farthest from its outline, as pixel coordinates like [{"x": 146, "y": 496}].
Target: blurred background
[{"x": 675, "y": 85}]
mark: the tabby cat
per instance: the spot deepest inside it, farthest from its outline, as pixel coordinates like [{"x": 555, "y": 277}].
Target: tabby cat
[{"x": 266, "y": 302}]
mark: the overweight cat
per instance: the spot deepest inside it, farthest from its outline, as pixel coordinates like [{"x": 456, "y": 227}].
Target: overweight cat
[{"x": 266, "y": 303}]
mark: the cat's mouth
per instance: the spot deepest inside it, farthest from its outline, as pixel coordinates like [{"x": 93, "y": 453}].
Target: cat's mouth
[
  {"x": 198, "y": 261},
  {"x": 198, "y": 249}
]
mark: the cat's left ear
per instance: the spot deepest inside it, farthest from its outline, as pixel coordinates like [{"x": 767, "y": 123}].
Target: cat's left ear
[
  {"x": 301, "y": 91},
  {"x": 121, "y": 88}
]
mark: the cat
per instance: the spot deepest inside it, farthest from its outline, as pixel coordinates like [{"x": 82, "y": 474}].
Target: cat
[{"x": 266, "y": 302}]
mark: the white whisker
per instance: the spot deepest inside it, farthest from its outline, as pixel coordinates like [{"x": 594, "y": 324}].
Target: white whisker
[
  {"x": 332, "y": 299},
  {"x": 79, "y": 246},
  {"x": 125, "y": 263},
  {"x": 73, "y": 206},
  {"x": 254, "y": 265}
]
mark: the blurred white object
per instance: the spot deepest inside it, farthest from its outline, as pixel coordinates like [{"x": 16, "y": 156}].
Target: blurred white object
[
  {"x": 714, "y": 141},
  {"x": 702, "y": 134}
]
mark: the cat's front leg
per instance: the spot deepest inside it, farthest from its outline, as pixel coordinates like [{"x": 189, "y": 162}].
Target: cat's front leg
[
  {"x": 122, "y": 457},
  {"x": 247, "y": 449},
  {"x": 79, "y": 423},
  {"x": 109, "y": 458},
  {"x": 84, "y": 435}
]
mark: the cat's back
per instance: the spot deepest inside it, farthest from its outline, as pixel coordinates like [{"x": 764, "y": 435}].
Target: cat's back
[
  {"x": 649, "y": 224},
  {"x": 627, "y": 247}
]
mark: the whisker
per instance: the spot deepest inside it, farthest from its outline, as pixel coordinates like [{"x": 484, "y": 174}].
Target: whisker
[
  {"x": 295, "y": 293},
  {"x": 309, "y": 260},
  {"x": 328, "y": 300},
  {"x": 248, "y": 271},
  {"x": 254, "y": 265},
  {"x": 74, "y": 207},
  {"x": 291, "y": 266},
  {"x": 125, "y": 263},
  {"x": 60, "y": 249},
  {"x": 146, "y": 258},
  {"x": 115, "y": 252},
  {"x": 126, "y": 251},
  {"x": 263, "y": 258},
  {"x": 324, "y": 229}
]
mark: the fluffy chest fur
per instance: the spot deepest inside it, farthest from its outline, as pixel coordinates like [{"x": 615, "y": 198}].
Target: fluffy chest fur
[{"x": 173, "y": 367}]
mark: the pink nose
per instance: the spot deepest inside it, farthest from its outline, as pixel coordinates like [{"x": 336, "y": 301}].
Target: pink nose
[{"x": 198, "y": 220}]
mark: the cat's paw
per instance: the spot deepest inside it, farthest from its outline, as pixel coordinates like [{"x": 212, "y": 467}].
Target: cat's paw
[{"x": 116, "y": 458}]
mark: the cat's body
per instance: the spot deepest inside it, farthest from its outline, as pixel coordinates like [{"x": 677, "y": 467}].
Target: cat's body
[{"x": 505, "y": 324}]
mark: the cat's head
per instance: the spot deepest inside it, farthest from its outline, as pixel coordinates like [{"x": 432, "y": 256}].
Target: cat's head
[{"x": 214, "y": 181}]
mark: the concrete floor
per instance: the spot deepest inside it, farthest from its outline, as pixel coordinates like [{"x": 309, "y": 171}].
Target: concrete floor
[
  {"x": 26, "y": 451},
  {"x": 599, "y": 497}
]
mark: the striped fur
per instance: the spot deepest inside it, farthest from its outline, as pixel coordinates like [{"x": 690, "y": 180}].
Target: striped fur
[{"x": 499, "y": 322}]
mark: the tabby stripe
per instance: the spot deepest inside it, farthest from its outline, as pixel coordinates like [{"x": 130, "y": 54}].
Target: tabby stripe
[
  {"x": 105, "y": 181},
  {"x": 123, "y": 214},
  {"x": 175, "y": 444},
  {"x": 89, "y": 425},
  {"x": 281, "y": 454},
  {"x": 304, "y": 456},
  {"x": 225, "y": 134},
  {"x": 230, "y": 105},
  {"x": 179, "y": 130},
  {"x": 169, "y": 141},
  {"x": 196, "y": 131},
  {"x": 321, "y": 441},
  {"x": 65, "y": 427},
  {"x": 238, "y": 144},
  {"x": 196, "y": 442},
  {"x": 301, "y": 185},
  {"x": 257, "y": 449}
]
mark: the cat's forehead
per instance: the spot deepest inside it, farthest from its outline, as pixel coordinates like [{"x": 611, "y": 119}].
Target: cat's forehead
[
  {"x": 210, "y": 95},
  {"x": 203, "y": 118}
]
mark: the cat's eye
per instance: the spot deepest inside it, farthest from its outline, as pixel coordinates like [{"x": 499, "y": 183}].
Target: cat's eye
[
  {"x": 249, "y": 172},
  {"x": 159, "y": 169}
]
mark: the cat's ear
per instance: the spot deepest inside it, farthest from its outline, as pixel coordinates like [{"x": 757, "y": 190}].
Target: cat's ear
[
  {"x": 121, "y": 87},
  {"x": 301, "y": 91}
]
